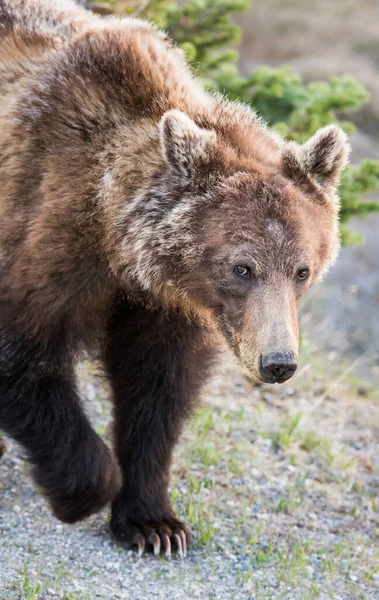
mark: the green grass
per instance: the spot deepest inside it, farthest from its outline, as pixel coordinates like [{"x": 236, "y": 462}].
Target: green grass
[
  {"x": 26, "y": 587},
  {"x": 284, "y": 436},
  {"x": 29, "y": 591}
]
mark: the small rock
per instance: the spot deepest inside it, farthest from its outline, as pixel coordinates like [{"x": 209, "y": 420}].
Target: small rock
[
  {"x": 90, "y": 392},
  {"x": 112, "y": 566},
  {"x": 365, "y": 462},
  {"x": 353, "y": 290}
]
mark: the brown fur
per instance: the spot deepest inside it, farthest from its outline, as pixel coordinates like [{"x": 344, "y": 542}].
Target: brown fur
[{"x": 129, "y": 193}]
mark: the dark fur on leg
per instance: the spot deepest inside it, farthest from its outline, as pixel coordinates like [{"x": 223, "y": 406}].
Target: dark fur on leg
[
  {"x": 40, "y": 408},
  {"x": 156, "y": 363}
]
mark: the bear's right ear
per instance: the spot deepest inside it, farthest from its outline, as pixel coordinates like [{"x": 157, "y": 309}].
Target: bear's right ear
[
  {"x": 184, "y": 144},
  {"x": 322, "y": 157}
]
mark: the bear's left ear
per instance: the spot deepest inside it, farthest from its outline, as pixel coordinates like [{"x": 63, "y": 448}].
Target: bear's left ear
[
  {"x": 322, "y": 157},
  {"x": 183, "y": 143}
]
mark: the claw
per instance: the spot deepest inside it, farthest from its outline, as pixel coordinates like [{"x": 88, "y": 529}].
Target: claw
[
  {"x": 139, "y": 541},
  {"x": 183, "y": 537},
  {"x": 178, "y": 541},
  {"x": 166, "y": 545},
  {"x": 155, "y": 541}
]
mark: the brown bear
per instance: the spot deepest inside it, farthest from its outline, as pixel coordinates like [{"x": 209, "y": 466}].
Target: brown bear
[{"x": 139, "y": 217}]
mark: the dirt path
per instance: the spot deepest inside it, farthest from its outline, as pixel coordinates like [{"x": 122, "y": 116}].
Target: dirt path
[{"x": 280, "y": 487}]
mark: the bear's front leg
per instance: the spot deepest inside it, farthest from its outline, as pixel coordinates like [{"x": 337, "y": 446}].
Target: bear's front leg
[
  {"x": 156, "y": 364},
  {"x": 40, "y": 408}
]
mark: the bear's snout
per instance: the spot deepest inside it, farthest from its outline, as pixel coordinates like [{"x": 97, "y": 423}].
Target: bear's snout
[{"x": 277, "y": 367}]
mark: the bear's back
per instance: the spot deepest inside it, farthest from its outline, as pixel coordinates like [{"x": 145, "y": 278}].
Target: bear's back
[
  {"x": 53, "y": 18},
  {"x": 28, "y": 29}
]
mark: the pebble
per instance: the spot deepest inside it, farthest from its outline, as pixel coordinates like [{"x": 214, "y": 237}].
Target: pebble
[
  {"x": 112, "y": 566},
  {"x": 90, "y": 392},
  {"x": 268, "y": 398}
]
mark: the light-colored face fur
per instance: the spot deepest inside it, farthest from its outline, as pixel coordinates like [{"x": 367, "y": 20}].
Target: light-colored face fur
[{"x": 235, "y": 244}]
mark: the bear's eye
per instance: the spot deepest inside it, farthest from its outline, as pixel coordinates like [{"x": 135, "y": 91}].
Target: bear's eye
[
  {"x": 242, "y": 271},
  {"x": 302, "y": 274}
]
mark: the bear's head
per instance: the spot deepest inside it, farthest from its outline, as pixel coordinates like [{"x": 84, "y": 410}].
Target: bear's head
[{"x": 239, "y": 240}]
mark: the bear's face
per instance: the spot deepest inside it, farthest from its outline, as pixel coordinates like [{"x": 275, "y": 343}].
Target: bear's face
[
  {"x": 237, "y": 241},
  {"x": 264, "y": 244}
]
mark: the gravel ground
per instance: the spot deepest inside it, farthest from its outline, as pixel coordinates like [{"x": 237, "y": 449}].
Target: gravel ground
[{"x": 280, "y": 487}]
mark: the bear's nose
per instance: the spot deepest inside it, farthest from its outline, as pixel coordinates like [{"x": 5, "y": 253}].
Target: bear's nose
[{"x": 277, "y": 367}]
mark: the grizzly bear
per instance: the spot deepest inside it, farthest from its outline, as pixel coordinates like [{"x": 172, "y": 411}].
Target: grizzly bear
[{"x": 140, "y": 216}]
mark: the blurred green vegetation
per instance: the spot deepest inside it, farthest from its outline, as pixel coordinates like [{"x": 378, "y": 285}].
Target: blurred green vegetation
[{"x": 204, "y": 29}]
